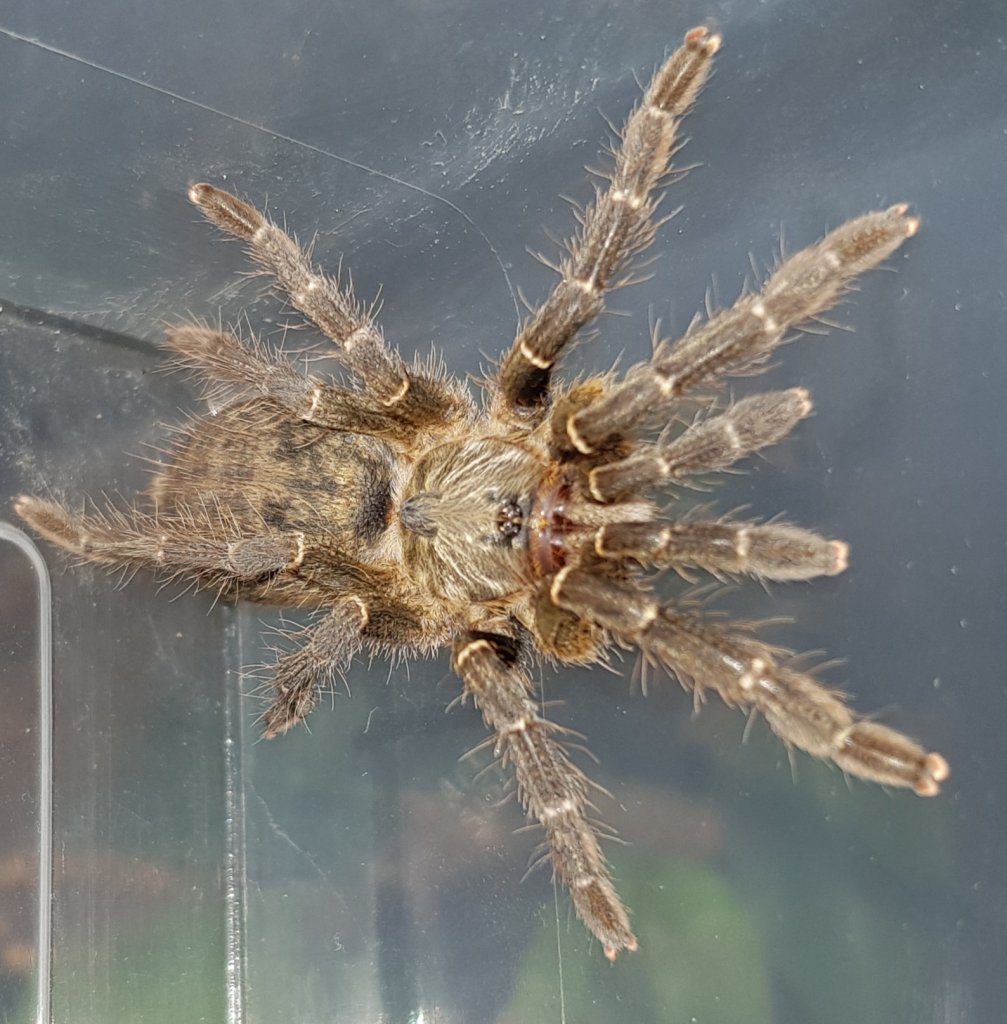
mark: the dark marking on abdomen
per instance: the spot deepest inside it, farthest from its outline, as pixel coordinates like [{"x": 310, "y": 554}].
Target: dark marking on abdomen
[{"x": 375, "y": 509}]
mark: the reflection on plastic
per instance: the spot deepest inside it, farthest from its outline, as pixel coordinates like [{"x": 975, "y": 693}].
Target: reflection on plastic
[{"x": 26, "y": 782}]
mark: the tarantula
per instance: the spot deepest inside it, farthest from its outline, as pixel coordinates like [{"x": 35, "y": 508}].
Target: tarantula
[{"x": 412, "y": 519}]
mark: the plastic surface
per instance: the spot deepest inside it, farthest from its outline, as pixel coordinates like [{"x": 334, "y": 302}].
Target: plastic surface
[{"x": 360, "y": 873}]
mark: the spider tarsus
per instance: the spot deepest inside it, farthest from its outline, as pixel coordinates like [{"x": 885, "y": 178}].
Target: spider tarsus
[
  {"x": 54, "y": 522},
  {"x": 912, "y": 224},
  {"x": 680, "y": 79},
  {"x": 278, "y": 719},
  {"x": 226, "y": 211},
  {"x": 700, "y": 35},
  {"x": 612, "y": 952},
  {"x": 35, "y": 512},
  {"x": 841, "y": 557},
  {"x": 803, "y": 399},
  {"x": 935, "y": 771},
  {"x": 879, "y": 754}
]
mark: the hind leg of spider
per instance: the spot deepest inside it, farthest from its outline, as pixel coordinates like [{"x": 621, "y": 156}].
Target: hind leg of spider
[
  {"x": 414, "y": 397},
  {"x": 748, "y": 673},
  {"x": 200, "y": 542},
  {"x": 235, "y": 370},
  {"x": 551, "y": 788}
]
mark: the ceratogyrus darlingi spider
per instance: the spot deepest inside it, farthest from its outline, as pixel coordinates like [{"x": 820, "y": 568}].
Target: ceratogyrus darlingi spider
[{"x": 411, "y": 517}]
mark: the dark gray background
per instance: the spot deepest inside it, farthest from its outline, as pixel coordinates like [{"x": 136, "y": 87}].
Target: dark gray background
[{"x": 359, "y": 873}]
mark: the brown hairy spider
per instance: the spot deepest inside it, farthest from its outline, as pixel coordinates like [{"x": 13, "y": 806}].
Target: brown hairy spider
[{"x": 411, "y": 519}]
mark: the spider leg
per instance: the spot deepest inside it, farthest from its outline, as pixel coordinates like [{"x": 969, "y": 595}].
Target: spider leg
[
  {"x": 290, "y": 569},
  {"x": 768, "y": 551},
  {"x": 774, "y": 551},
  {"x": 618, "y": 224},
  {"x": 202, "y": 543},
  {"x": 552, "y": 789},
  {"x": 747, "y": 673},
  {"x": 327, "y": 649},
  {"x": 236, "y": 371},
  {"x": 736, "y": 339},
  {"x": 418, "y": 398},
  {"x": 712, "y": 443}
]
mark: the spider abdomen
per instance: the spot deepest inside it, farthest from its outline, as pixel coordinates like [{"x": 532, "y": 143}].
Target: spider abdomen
[{"x": 262, "y": 469}]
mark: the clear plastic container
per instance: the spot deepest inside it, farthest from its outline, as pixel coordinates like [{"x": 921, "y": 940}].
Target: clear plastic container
[{"x": 157, "y": 862}]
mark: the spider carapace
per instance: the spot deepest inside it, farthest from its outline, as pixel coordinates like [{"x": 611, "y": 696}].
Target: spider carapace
[{"x": 412, "y": 518}]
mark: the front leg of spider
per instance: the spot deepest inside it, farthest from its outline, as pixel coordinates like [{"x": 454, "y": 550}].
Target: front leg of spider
[
  {"x": 407, "y": 519},
  {"x": 616, "y": 226}
]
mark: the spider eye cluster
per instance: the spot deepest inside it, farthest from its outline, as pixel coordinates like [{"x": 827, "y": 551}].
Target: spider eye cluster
[{"x": 510, "y": 520}]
